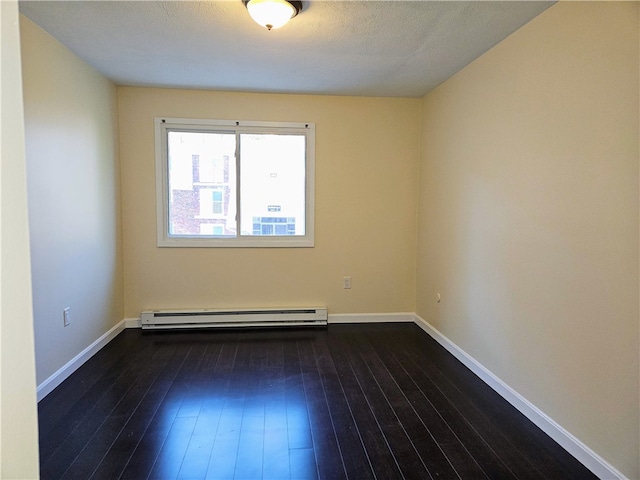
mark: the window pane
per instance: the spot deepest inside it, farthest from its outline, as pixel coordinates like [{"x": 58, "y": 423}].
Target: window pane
[
  {"x": 201, "y": 175},
  {"x": 210, "y": 195},
  {"x": 272, "y": 172},
  {"x": 211, "y": 229}
]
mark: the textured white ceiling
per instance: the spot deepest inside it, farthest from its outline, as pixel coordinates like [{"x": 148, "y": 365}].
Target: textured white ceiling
[{"x": 355, "y": 47}]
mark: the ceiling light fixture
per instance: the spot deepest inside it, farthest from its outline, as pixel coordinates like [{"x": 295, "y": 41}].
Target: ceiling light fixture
[{"x": 272, "y": 13}]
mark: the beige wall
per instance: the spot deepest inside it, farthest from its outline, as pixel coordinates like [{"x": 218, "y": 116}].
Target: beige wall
[
  {"x": 73, "y": 185},
  {"x": 366, "y": 180},
  {"x": 18, "y": 414},
  {"x": 528, "y": 218}
]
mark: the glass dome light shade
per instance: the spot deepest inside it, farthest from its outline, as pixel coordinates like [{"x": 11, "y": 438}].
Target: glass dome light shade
[{"x": 271, "y": 13}]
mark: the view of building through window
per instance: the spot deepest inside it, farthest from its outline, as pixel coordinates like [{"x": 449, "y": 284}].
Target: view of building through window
[
  {"x": 203, "y": 184},
  {"x": 272, "y": 187},
  {"x": 201, "y": 175}
]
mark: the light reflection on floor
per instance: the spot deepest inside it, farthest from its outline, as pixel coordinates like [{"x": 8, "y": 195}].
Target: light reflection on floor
[{"x": 249, "y": 431}]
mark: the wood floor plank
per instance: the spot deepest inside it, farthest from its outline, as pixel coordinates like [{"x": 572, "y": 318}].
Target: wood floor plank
[
  {"x": 224, "y": 453},
  {"x": 328, "y": 456},
  {"x": 383, "y": 463},
  {"x": 250, "y": 456},
  {"x": 375, "y": 401},
  {"x": 354, "y": 455},
  {"x": 302, "y": 464},
  {"x": 483, "y": 453},
  {"x": 104, "y": 437},
  {"x": 222, "y": 461},
  {"x": 198, "y": 452},
  {"x": 276, "y": 440},
  {"x": 527, "y": 451},
  {"x": 428, "y": 416},
  {"x": 546, "y": 456},
  {"x": 400, "y": 445},
  {"x": 70, "y": 449},
  {"x": 378, "y": 361},
  {"x": 217, "y": 369},
  {"x": 152, "y": 441},
  {"x": 149, "y": 447},
  {"x": 118, "y": 455},
  {"x": 302, "y": 457},
  {"x": 298, "y": 427},
  {"x": 106, "y": 362},
  {"x": 74, "y": 401}
]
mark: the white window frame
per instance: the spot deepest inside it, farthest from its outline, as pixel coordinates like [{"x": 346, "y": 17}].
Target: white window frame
[{"x": 164, "y": 124}]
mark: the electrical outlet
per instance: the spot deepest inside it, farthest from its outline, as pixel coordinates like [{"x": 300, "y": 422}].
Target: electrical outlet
[
  {"x": 346, "y": 282},
  {"x": 66, "y": 316}
]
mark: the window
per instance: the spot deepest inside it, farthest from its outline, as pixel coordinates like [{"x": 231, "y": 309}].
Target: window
[{"x": 234, "y": 184}]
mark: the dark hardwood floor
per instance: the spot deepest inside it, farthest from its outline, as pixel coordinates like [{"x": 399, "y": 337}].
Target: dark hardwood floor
[{"x": 368, "y": 401}]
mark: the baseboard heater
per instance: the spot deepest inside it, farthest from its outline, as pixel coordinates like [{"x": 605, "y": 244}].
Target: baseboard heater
[{"x": 268, "y": 317}]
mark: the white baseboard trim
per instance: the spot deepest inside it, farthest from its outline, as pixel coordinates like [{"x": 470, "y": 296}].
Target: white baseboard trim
[
  {"x": 46, "y": 387},
  {"x": 571, "y": 444},
  {"x": 371, "y": 317},
  {"x": 132, "y": 323}
]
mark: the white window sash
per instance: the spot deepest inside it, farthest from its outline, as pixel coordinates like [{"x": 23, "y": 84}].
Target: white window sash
[{"x": 164, "y": 239}]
